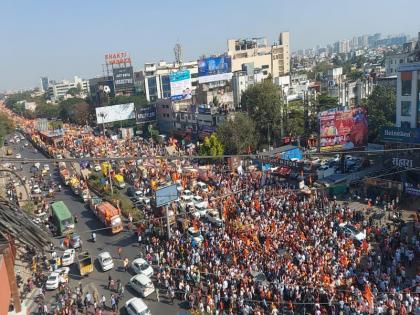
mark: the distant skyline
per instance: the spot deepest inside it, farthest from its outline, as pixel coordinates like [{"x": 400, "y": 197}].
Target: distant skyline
[{"x": 61, "y": 39}]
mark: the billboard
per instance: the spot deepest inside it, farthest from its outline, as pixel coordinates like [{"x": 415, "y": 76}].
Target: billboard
[
  {"x": 180, "y": 85},
  {"x": 146, "y": 114},
  {"x": 214, "y": 69},
  {"x": 117, "y": 58},
  {"x": 343, "y": 129},
  {"x": 166, "y": 195},
  {"x": 412, "y": 189},
  {"x": 123, "y": 78},
  {"x": 107, "y": 114},
  {"x": 400, "y": 135}
]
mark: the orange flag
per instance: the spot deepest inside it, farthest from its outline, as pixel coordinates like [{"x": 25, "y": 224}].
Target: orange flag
[{"x": 367, "y": 294}]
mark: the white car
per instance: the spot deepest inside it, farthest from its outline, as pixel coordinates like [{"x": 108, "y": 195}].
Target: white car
[
  {"x": 46, "y": 167},
  {"x": 195, "y": 235},
  {"x": 142, "y": 285},
  {"x": 140, "y": 266},
  {"x": 212, "y": 216},
  {"x": 136, "y": 306},
  {"x": 200, "y": 210},
  {"x": 203, "y": 186},
  {"x": 68, "y": 257},
  {"x": 36, "y": 189},
  {"x": 351, "y": 231},
  {"x": 57, "y": 277},
  {"x": 187, "y": 195},
  {"x": 18, "y": 156},
  {"x": 105, "y": 260},
  {"x": 199, "y": 202}
]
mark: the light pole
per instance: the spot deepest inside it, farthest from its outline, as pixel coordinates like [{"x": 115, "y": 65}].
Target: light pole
[{"x": 103, "y": 115}]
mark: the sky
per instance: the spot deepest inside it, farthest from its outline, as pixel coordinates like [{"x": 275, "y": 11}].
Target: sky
[{"x": 61, "y": 39}]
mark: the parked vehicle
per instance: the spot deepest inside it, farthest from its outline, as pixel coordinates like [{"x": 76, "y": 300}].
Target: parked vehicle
[
  {"x": 62, "y": 218},
  {"x": 75, "y": 240},
  {"x": 68, "y": 257},
  {"x": 142, "y": 285},
  {"x": 140, "y": 266},
  {"x": 108, "y": 214},
  {"x": 57, "y": 277},
  {"x": 136, "y": 306},
  {"x": 212, "y": 216},
  {"x": 84, "y": 263},
  {"x": 105, "y": 260}
]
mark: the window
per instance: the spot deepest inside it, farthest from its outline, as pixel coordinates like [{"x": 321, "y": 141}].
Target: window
[
  {"x": 265, "y": 67},
  {"x": 405, "y": 108},
  {"x": 406, "y": 78},
  {"x": 405, "y": 125}
]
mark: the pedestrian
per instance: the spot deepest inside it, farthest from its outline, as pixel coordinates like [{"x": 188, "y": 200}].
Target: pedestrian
[
  {"x": 81, "y": 245},
  {"x": 172, "y": 294},
  {"x": 139, "y": 239},
  {"x": 113, "y": 303},
  {"x": 119, "y": 251},
  {"x": 157, "y": 295},
  {"x": 109, "y": 282},
  {"x": 125, "y": 264},
  {"x": 103, "y": 301}
]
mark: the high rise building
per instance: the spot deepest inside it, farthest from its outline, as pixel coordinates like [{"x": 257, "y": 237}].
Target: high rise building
[
  {"x": 44, "y": 84},
  {"x": 274, "y": 59}
]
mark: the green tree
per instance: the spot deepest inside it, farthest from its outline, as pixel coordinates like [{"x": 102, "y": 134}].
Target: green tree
[
  {"x": 238, "y": 134},
  {"x": 6, "y": 127},
  {"x": 44, "y": 110},
  {"x": 211, "y": 146},
  {"x": 295, "y": 123},
  {"x": 76, "y": 110},
  {"x": 327, "y": 102},
  {"x": 380, "y": 107},
  {"x": 264, "y": 106}
]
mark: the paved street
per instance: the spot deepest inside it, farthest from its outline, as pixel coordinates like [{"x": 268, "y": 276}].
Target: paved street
[{"x": 105, "y": 242}]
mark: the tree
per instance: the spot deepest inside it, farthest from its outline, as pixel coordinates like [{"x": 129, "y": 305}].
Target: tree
[
  {"x": 264, "y": 106},
  {"x": 327, "y": 102},
  {"x": 76, "y": 110},
  {"x": 381, "y": 111},
  {"x": 138, "y": 100},
  {"x": 211, "y": 146},
  {"x": 44, "y": 110},
  {"x": 238, "y": 135},
  {"x": 6, "y": 127}
]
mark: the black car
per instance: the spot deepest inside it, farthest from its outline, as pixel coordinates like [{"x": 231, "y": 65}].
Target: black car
[{"x": 131, "y": 192}]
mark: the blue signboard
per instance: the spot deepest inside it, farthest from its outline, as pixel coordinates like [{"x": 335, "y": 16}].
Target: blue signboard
[
  {"x": 146, "y": 114},
  {"x": 214, "y": 65},
  {"x": 181, "y": 88},
  {"x": 214, "y": 69}
]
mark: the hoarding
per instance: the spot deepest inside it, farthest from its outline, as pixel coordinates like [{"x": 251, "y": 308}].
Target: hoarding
[
  {"x": 113, "y": 113},
  {"x": 166, "y": 195},
  {"x": 343, "y": 129},
  {"x": 123, "y": 78},
  {"x": 412, "y": 189},
  {"x": 401, "y": 135},
  {"x": 180, "y": 82},
  {"x": 146, "y": 114},
  {"x": 117, "y": 58},
  {"x": 214, "y": 69}
]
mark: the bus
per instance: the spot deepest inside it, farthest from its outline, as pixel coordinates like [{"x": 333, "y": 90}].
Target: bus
[{"x": 62, "y": 218}]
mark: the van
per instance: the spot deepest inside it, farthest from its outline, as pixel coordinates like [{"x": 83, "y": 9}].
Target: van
[{"x": 202, "y": 186}]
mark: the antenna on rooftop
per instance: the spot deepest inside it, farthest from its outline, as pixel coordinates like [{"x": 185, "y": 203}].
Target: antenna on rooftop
[{"x": 178, "y": 54}]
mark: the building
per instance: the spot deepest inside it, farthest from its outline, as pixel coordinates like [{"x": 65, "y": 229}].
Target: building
[
  {"x": 393, "y": 61},
  {"x": 29, "y": 106},
  {"x": 241, "y": 80},
  {"x": 408, "y": 88},
  {"x": 58, "y": 90},
  {"x": 156, "y": 78},
  {"x": 271, "y": 59},
  {"x": 44, "y": 84}
]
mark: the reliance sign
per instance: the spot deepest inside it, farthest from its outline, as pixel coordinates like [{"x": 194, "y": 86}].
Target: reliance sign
[{"x": 117, "y": 58}]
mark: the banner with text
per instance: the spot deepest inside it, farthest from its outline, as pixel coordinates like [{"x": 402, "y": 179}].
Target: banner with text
[{"x": 181, "y": 88}]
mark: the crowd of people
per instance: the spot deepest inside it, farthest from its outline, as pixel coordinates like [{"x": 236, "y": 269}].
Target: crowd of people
[{"x": 280, "y": 250}]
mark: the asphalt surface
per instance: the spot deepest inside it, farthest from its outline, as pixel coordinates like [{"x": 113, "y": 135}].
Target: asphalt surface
[{"x": 105, "y": 241}]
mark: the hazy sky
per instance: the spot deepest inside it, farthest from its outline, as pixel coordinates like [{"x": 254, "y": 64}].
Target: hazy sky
[{"x": 61, "y": 39}]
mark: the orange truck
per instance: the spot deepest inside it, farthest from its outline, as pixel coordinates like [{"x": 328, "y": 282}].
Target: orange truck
[{"x": 108, "y": 215}]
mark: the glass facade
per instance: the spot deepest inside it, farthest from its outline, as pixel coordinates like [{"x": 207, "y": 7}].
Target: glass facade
[
  {"x": 166, "y": 86},
  {"x": 153, "y": 93},
  {"x": 405, "y": 108}
]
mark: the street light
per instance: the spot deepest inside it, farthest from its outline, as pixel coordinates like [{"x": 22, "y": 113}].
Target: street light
[{"x": 103, "y": 116}]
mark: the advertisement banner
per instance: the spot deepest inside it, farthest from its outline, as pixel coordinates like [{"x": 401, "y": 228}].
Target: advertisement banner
[
  {"x": 107, "y": 114},
  {"x": 146, "y": 114},
  {"x": 123, "y": 79},
  {"x": 412, "y": 189},
  {"x": 400, "y": 135},
  {"x": 343, "y": 129},
  {"x": 180, "y": 85},
  {"x": 117, "y": 58},
  {"x": 214, "y": 69}
]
